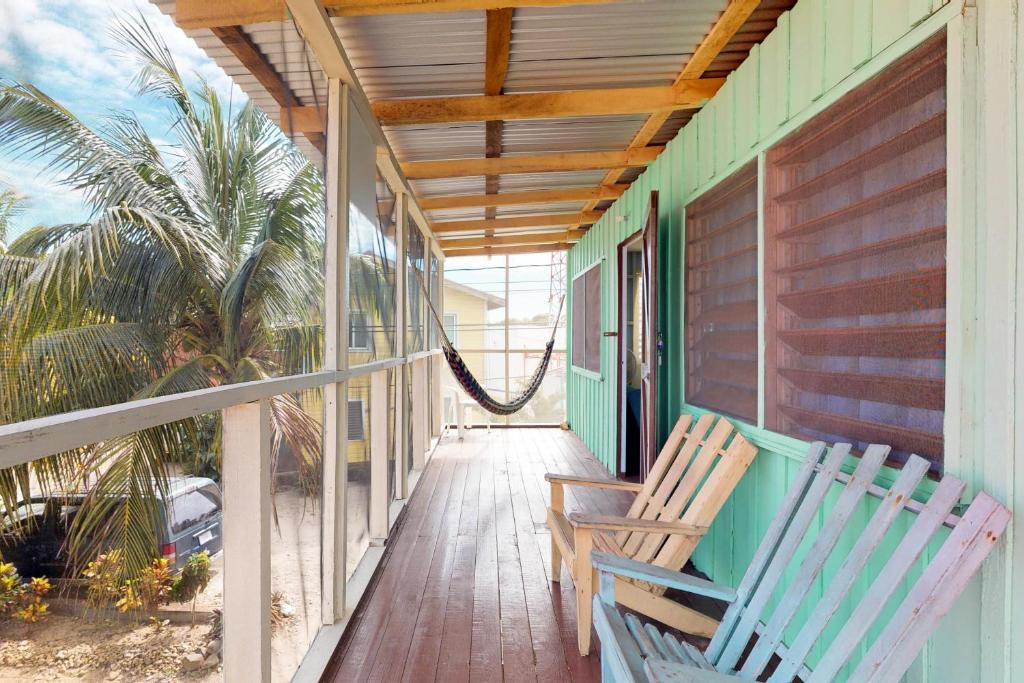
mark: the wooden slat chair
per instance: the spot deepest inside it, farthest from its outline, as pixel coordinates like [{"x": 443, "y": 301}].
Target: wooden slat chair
[
  {"x": 690, "y": 481},
  {"x": 631, "y": 652}
]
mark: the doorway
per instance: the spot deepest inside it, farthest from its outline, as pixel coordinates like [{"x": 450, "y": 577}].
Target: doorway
[{"x": 638, "y": 348}]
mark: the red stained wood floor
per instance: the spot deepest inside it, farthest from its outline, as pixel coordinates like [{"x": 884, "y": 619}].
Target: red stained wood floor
[{"x": 464, "y": 592}]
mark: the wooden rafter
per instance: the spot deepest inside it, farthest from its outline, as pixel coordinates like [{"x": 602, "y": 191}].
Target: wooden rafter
[
  {"x": 571, "y": 194},
  {"x": 499, "y": 44},
  {"x": 512, "y": 240},
  {"x": 497, "y": 49},
  {"x": 212, "y": 13},
  {"x": 516, "y": 222},
  {"x": 689, "y": 94},
  {"x": 247, "y": 52},
  {"x": 541, "y": 163},
  {"x": 510, "y": 251},
  {"x": 734, "y": 16}
]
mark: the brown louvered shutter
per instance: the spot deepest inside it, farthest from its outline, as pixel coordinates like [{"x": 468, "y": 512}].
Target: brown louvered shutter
[
  {"x": 855, "y": 268},
  {"x": 721, "y": 297},
  {"x": 579, "y": 321},
  {"x": 592, "y": 352}
]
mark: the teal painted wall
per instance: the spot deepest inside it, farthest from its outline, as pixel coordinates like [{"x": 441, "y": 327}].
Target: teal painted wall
[{"x": 821, "y": 50}]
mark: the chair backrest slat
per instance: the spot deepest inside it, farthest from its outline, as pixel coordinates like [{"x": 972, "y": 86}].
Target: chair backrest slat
[
  {"x": 766, "y": 551},
  {"x": 886, "y": 582},
  {"x": 845, "y": 577},
  {"x": 709, "y": 453},
  {"x": 933, "y": 594},
  {"x": 670, "y": 454},
  {"x": 936, "y": 590},
  {"x": 708, "y": 502},
  {"x": 787, "y": 547},
  {"x": 810, "y": 566}
]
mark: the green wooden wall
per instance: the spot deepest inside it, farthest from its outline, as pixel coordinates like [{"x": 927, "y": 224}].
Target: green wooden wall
[{"x": 821, "y": 50}]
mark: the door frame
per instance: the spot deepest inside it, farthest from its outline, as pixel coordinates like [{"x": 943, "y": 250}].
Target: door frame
[{"x": 620, "y": 354}]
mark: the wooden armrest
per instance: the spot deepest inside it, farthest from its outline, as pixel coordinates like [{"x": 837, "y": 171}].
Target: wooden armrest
[
  {"x": 664, "y": 671},
  {"x": 571, "y": 480},
  {"x": 583, "y": 520},
  {"x": 631, "y": 569}
]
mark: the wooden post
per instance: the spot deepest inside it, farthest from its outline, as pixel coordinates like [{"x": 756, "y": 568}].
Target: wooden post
[
  {"x": 379, "y": 455},
  {"x": 401, "y": 372},
  {"x": 437, "y": 399},
  {"x": 335, "y": 456},
  {"x": 246, "y": 472},
  {"x": 419, "y": 413}
]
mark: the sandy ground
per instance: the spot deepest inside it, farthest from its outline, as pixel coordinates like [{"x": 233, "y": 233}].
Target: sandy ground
[{"x": 63, "y": 648}]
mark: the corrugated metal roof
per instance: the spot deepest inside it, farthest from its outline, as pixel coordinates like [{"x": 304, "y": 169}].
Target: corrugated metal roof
[
  {"x": 418, "y": 143},
  {"x": 416, "y": 55},
  {"x": 593, "y": 133},
  {"x": 629, "y": 43},
  {"x": 620, "y": 44}
]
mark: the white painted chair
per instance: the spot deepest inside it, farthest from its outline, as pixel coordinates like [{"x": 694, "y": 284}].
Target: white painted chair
[{"x": 460, "y": 403}]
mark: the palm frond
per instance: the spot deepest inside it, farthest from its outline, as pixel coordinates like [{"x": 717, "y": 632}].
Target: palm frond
[
  {"x": 82, "y": 367},
  {"x": 126, "y": 478},
  {"x": 34, "y": 126}
]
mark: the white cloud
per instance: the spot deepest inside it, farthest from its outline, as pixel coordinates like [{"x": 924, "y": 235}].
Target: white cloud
[{"x": 66, "y": 49}]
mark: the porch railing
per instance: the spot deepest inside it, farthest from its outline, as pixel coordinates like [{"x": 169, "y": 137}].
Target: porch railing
[{"x": 246, "y": 479}]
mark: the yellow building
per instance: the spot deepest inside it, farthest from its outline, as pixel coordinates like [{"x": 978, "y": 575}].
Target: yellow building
[{"x": 465, "y": 319}]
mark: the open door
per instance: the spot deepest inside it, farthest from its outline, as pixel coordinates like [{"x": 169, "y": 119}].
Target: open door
[
  {"x": 650, "y": 346},
  {"x": 638, "y": 342}
]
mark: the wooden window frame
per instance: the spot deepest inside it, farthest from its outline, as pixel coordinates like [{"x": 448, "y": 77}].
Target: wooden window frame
[{"x": 730, "y": 384}]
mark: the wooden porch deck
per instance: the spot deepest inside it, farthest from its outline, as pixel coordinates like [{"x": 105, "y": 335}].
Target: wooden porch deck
[{"x": 464, "y": 592}]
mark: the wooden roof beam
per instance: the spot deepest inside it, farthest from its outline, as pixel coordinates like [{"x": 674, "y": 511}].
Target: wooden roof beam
[
  {"x": 509, "y": 251},
  {"x": 512, "y": 240},
  {"x": 569, "y": 194},
  {"x": 689, "y": 94},
  {"x": 249, "y": 54},
  {"x": 541, "y": 163},
  {"x": 515, "y": 222}
]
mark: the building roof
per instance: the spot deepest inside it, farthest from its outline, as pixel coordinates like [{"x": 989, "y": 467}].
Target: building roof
[
  {"x": 491, "y": 300},
  {"x": 612, "y": 62}
]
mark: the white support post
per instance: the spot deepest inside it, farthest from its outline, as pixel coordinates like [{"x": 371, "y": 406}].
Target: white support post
[
  {"x": 379, "y": 456},
  {"x": 335, "y": 453},
  {"x": 246, "y": 472},
  {"x": 401, "y": 374},
  {"x": 419, "y": 413},
  {"x": 437, "y": 399}
]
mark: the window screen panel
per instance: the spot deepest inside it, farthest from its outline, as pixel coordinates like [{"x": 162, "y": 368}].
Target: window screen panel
[
  {"x": 586, "y": 319},
  {"x": 721, "y": 297},
  {"x": 592, "y": 350},
  {"x": 579, "y": 319},
  {"x": 855, "y": 224}
]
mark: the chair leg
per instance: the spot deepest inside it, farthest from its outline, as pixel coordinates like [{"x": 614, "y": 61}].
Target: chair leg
[
  {"x": 556, "y": 561},
  {"x": 584, "y": 577},
  {"x": 557, "y": 508}
]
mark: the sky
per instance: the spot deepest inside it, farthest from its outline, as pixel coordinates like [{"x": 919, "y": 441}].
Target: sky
[{"x": 65, "y": 49}]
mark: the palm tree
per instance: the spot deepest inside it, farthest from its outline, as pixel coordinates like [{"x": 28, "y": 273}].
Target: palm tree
[
  {"x": 200, "y": 265},
  {"x": 11, "y": 206}
]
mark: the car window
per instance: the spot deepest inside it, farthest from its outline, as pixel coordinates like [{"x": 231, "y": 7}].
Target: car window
[{"x": 193, "y": 508}]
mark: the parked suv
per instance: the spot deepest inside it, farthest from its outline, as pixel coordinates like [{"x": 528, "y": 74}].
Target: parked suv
[{"x": 191, "y": 515}]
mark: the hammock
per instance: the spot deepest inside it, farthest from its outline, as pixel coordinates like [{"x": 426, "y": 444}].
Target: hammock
[{"x": 470, "y": 384}]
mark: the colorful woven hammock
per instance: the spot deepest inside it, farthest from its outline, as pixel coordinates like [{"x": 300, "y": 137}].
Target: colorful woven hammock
[{"x": 470, "y": 384}]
